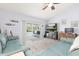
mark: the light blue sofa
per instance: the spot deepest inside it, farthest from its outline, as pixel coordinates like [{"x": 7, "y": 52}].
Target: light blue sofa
[{"x": 12, "y": 46}]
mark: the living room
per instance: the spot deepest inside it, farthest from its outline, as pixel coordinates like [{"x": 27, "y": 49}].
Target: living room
[{"x": 37, "y": 26}]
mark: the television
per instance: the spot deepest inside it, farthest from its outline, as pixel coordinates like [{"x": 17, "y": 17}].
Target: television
[{"x": 69, "y": 30}]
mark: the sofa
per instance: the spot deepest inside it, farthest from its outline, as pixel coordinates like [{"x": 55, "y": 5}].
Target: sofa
[{"x": 10, "y": 45}]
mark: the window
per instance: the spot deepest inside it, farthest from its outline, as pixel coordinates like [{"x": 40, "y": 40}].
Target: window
[
  {"x": 32, "y": 28},
  {"x": 29, "y": 27},
  {"x": 35, "y": 28}
]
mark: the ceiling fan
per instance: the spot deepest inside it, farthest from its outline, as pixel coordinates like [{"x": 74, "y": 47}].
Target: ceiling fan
[{"x": 51, "y": 5}]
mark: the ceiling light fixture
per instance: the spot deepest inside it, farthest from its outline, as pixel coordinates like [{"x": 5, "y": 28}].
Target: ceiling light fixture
[
  {"x": 16, "y": 21},
  {"x": 9, "y": 24}
]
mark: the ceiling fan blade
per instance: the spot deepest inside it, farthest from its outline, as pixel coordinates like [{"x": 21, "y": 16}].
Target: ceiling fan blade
[
  {"x": 44, "y": 7},
  {"x": 56, "y": 3}
]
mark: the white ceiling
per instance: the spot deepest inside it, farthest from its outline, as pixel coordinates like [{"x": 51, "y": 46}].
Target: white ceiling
[{"x": 34, "y": 9}]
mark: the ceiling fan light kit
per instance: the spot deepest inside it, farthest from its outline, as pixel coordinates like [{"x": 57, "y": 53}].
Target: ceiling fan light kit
[{"x": 52, "y": 8}]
